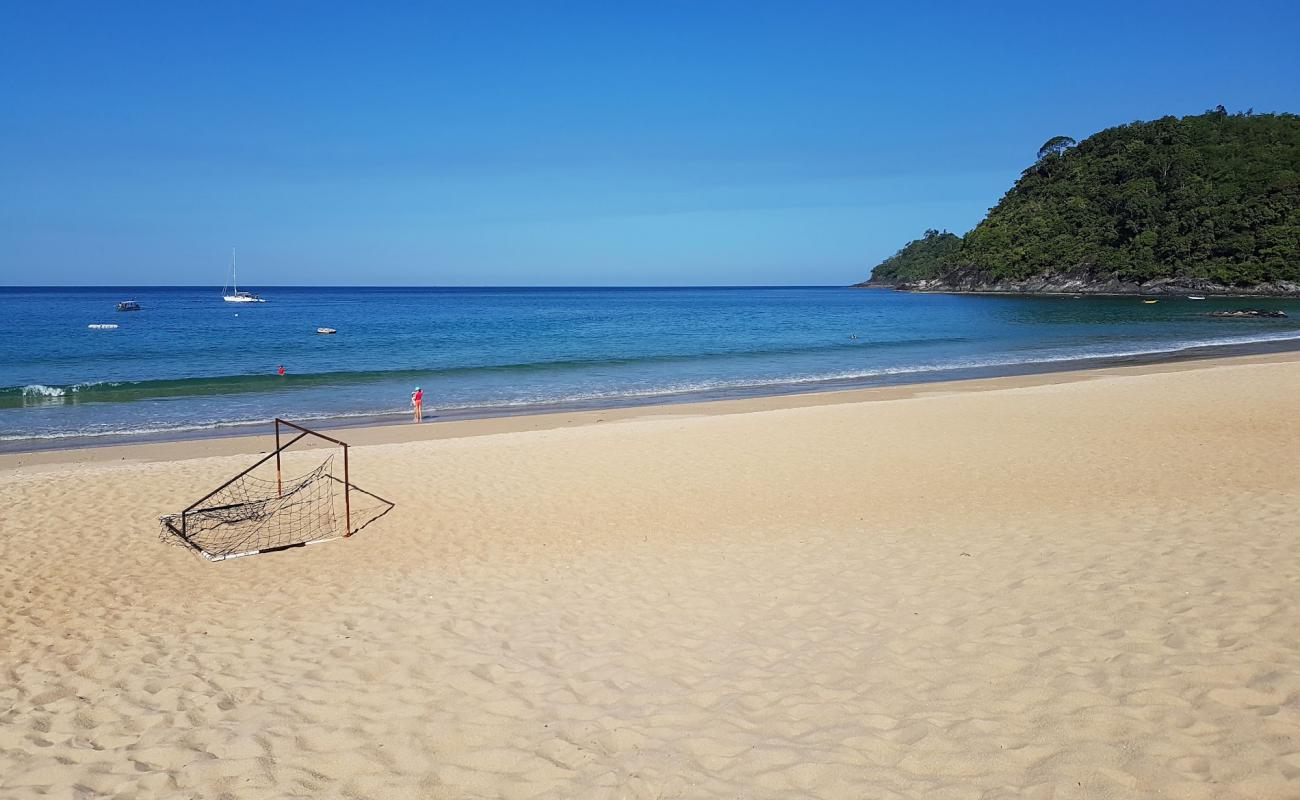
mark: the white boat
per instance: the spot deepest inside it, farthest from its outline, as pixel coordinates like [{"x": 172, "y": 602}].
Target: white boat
[
  {"x": 326, "y": 330},
  {"x": 1194, "y": 297},
  {"x": 102, "y": 326},
  {"x": 236, "y": 296}
]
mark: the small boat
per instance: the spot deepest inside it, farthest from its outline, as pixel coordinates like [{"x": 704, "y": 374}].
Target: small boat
[
  {"x": 102, "y": 326},
  {"x": 237, "y": 296},
  {"x": 326, "y": 330},
  {"x": 1194, "y": 297},
  {"x": 128, "y": 305},
  {"x": 1149, "y": 302}
]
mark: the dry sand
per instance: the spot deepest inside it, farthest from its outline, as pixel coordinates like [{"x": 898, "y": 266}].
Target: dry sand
[{"x": 1079, "y": 585}]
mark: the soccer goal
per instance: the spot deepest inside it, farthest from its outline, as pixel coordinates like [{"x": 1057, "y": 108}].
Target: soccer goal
[{"x": 257, "y": 512}]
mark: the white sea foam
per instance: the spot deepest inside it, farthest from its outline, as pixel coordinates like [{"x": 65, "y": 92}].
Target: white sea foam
[{"x": 41, "y": 390}]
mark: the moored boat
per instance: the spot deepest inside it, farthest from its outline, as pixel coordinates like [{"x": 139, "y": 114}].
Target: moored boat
[
  {"x": 128, "y": 305},
  {"x": 236, "y": 296}
]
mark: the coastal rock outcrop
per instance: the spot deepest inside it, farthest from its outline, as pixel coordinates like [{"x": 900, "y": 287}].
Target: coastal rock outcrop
[{"x": 973, "y": 281}]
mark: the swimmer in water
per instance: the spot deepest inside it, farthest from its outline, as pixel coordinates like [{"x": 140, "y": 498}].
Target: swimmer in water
[{"x": 281, "y": 370}]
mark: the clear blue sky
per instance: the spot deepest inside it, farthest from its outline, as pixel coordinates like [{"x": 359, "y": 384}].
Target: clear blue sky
[{"x": 553, "y": 143}]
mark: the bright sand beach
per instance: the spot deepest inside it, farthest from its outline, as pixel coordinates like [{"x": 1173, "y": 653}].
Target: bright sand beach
[{"x": 1055, "y": 586}]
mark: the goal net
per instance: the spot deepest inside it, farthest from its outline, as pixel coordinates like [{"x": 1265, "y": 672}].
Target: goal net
[{"x": 259, "y": 510}]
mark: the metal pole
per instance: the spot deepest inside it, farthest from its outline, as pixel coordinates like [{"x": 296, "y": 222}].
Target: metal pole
[
  {"x": 347, "y": 496},
  {"x": 279, "y": 487}
]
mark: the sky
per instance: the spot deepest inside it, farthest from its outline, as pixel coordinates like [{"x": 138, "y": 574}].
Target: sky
[{"x": 558, "y": 143}]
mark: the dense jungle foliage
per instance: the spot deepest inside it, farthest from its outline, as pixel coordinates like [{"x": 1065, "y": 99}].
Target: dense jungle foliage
[
  {"x": 927, "y": 257},
  {"x": 1213, "y": 196}
]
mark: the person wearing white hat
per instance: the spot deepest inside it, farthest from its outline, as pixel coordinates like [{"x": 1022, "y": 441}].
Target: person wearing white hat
[{"x": 417, "y": 402}]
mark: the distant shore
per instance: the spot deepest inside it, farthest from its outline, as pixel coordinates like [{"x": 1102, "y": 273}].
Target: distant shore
[{"x": 1113, "y": 289}]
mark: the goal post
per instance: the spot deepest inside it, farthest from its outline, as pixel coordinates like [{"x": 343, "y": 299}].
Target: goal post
[
  {"x": 347, "y": 481},
  {"x": 254, "y": 512}
]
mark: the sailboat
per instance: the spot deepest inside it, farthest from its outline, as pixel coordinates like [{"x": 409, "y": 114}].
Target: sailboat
[{"x": 237, "y": 296}]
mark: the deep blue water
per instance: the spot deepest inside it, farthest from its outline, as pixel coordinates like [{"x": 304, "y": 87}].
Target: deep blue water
[{"x": 189, "y": 361}]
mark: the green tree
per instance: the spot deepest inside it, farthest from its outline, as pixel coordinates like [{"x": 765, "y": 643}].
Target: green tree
[{"x": 1055, "y": 146}]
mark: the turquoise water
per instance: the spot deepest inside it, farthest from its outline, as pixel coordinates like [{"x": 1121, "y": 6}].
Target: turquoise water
[{"x": 189, "y": 361}]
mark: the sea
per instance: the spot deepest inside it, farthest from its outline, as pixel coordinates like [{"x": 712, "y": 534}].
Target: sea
[{"x": 190, "y": 364}]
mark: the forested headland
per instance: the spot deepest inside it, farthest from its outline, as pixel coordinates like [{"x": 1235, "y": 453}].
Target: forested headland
[{"x": 1209, "y": 203}]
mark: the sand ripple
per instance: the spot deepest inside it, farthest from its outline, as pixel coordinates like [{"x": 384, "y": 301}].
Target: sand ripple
[{"x": 877, "y": 600}]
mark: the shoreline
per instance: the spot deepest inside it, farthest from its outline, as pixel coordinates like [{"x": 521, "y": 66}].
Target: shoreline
[
  {"x": 255, "y": 438},
  {"x": 53, "y": 409}
]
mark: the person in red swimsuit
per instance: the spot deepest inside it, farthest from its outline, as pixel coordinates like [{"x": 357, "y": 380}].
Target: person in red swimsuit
[
  {"x": 281, "y": 370},
  {"x": 417, "y": 400}
]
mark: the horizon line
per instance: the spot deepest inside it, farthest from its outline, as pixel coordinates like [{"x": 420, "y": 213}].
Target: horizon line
[{"x": 265, "y": 287}]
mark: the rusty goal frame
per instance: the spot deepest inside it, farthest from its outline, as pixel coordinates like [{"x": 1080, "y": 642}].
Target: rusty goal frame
[{"x": 177, "y": 525}]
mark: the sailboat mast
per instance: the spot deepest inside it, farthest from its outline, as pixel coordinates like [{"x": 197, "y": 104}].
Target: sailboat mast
[{"x": 234, "y": 277}]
